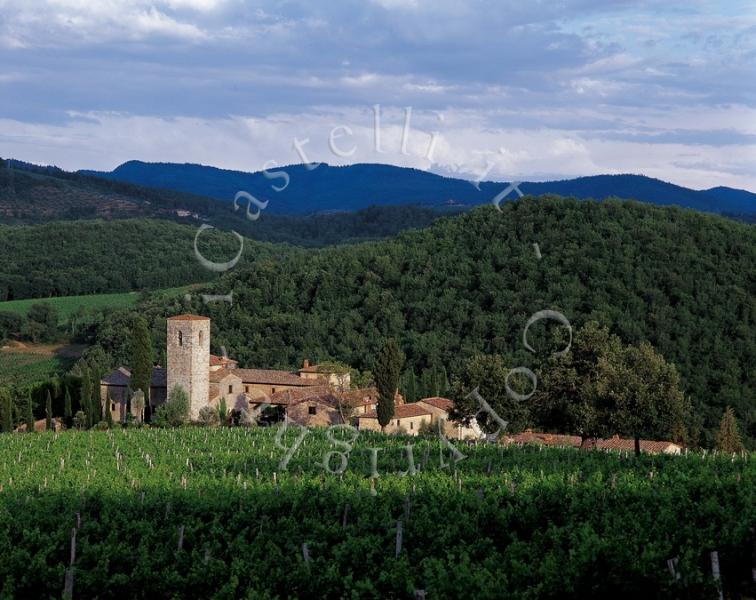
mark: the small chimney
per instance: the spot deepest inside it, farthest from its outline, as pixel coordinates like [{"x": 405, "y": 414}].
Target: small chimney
[{"x": 306, "y": 364}]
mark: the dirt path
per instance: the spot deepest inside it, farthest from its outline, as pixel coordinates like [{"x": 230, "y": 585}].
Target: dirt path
[{"x": 62, "y": 350}]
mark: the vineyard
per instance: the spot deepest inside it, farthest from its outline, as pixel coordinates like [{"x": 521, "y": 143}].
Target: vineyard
[
  {"x": 24, "y": 368},
  {"x": 233, "y": 512}
]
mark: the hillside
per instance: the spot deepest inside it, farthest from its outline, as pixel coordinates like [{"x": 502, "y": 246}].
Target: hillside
[
  {"x": 357, "y": 186},
  {"x": 682, "y": 280},
  {"x": 33, "y": 195},
  {"x": 98, "y": 257}
]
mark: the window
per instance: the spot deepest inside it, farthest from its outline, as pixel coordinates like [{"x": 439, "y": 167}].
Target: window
[
  {"x": 181, "y": 338},
  {"x": 246, "y": 389},
  {"x": 201, "y": 337},
  {"x": 230, "y": 388},
  {"x": 112, "y": 406},
  {"x": 272, "y": 390},
  {"x": 397, "y": 422},
  {"x": 312, "y": 410},
  {"x": 412, "y": 425}
]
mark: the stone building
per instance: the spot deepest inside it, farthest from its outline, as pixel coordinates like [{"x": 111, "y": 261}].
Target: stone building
[
  {"x": 408, "y": 419},
  {"x": 115, "y": 390},
  {"x": 188, "y": 359},
  {"x": 207, "y": 378}
]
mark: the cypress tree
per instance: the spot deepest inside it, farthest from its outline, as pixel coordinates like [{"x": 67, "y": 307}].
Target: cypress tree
[
  {"x": 29, "y": 414},
  {"x": 443, "y": 382},
  {"x": 410, "y": 386},
  {"x": 48, "y": 411},
  {"x": 95, "y": 402},
  {"x": 108, "y": 414},
  {"x": 85, "y": 394},
  {"x": 388, "y": 366},
  {"x": 141, "y": 358},
  {"x": 728, "y": 436},
  {"x": 7, "y": 414},
  {"x": 426, "y": 384},
  {"x": 67, "y": 410}
]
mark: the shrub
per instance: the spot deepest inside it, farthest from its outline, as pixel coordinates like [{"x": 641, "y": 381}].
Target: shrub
[
  {"x": 245, "y": 419},
  {"x": 222, "y": 411},
  {"x": 427, "y": 429},
  {"x": 208, "y": 416},
  {"x": 80, "y": 419},
  {"x": 175, "y": 412},
  {"x": 102, "y": 426}
]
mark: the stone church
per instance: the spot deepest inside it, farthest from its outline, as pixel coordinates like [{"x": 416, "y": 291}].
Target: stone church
[
  {"x": 310, "y": 396},
  {"x": 207, "y": 378}
]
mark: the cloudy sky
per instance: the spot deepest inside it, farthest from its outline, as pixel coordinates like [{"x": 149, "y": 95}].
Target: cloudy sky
[{"x": 480, "y": 88}]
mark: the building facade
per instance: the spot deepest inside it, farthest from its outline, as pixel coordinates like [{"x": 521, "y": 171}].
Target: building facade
[{"x": 188, "y": 359}]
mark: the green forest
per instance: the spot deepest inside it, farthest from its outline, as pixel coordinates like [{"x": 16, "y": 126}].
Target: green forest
[
  {"x": 96, "y": 257},
  {"x": 462, "y": 288},
  {"x": 681, "y": 280}
]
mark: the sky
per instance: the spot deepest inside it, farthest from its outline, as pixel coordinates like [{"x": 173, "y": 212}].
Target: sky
[{"x": 480, "y": 89}]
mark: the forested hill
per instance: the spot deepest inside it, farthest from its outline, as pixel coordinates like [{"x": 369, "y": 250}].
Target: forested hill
[
  {"x": 96, "y": 257},
  {"x": 37, "y": 195},
  {"x": 357, "y": 186},
  {"x": 682, "y": 280}
]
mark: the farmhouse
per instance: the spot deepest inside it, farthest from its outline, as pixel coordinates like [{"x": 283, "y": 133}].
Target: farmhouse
[
  {"x": 434, "y": 412},
  {"x": 408, "y": 419},
  {"x": 575, "y": 441}
]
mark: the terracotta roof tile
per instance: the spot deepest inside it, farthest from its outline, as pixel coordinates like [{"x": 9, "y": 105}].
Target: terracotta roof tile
[
  {"x": 547, "y": 439},
  {"x": 402, "y": 411},
  {"x": 438, "y": 402},
  {"x": 122, "y": 377},
  {"x": 221, "y": 360},
  {"x": 221, "y": 374},
  {"x": 359, "y": 397},
  {"x": 575, "y": 441},
  {"x": 188, "y": 317},
  {"x": 272, "y": 377},
  {"x": 618, "y": 443}
]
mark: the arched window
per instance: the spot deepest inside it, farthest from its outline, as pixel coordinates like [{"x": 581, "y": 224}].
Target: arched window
[
  {"x": 181, "y": 338},
  {"x": 202, "y": 337}
]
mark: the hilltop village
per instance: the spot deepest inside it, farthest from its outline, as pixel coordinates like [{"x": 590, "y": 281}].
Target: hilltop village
[{"x": 311, "y": 396}]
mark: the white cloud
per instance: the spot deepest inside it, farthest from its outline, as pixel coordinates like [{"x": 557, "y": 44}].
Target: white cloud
[
  {"x": 468, "y": 145},
  {"x": 565, "y": 88}
]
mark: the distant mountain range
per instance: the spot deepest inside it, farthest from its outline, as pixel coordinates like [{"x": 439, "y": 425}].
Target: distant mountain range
[
  {"x": 31, "y": 195},
  {"x": 349, "y": 188}
]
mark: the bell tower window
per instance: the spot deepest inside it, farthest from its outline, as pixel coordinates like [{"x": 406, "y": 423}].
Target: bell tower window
[{"x": 180, "y": 338}]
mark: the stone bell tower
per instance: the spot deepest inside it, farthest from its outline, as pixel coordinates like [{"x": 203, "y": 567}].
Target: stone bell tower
[{"x": 188, "y": 357}]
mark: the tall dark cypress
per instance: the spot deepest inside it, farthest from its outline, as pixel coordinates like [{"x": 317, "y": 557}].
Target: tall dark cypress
[
  {"x": 141, "y": 358},
  {"x": 85, "y": 395},
  {"x": 388, "y": 366},
  {"x": 108, "y": 414},
  {"x": 29, "y": 414},
  {"x": 94, "y": 402},
  {"x": 410, "y": 386},
  {"x": 67, "y": 410},
  {"x": 7, "y": 410},
  {"x": 48, "y": 411}
]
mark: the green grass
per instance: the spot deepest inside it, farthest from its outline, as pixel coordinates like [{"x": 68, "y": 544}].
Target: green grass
[
  {"x": 67, "y": 305},
  {"x": 27, "y": 368}
]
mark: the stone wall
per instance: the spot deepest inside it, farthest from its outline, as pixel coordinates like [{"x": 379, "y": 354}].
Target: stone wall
[{"x": 188, "y": 357}]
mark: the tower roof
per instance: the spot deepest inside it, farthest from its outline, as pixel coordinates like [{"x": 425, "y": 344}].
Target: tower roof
[{"x": 188, "y": 317}]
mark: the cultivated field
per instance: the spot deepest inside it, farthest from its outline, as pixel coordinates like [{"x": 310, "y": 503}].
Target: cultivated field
[
  {"x": 228, "y": 513},
  {"x": 67, "y": 305},
  {"x": 25, "y": 364}
]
